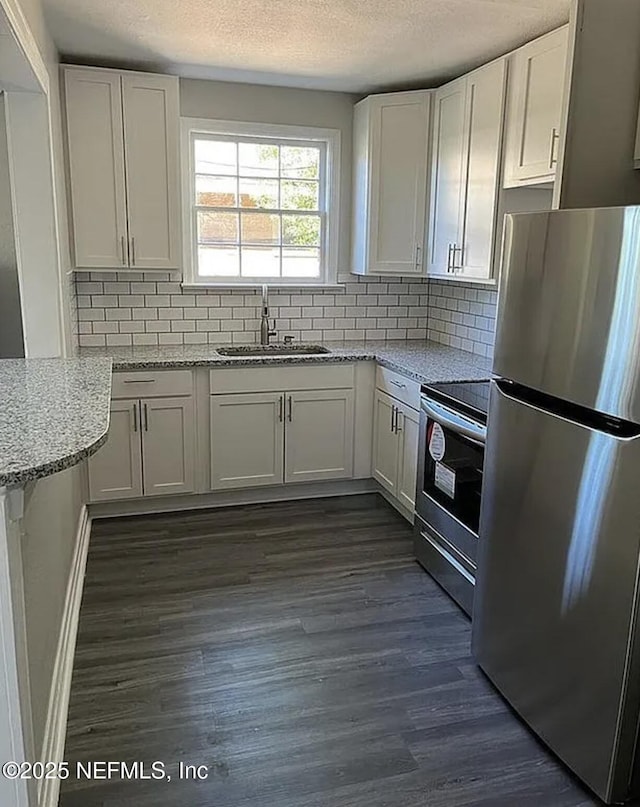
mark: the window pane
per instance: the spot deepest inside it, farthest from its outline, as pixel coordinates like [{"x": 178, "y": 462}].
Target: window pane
[
  {"x": 300, "y": 262},
  {"x": 214, "y": 227},
  {"x": 299, "y": 161},
  {"x": 218, "y": 261},
  {"x": 301, "y": 231},
  {"x": 298, "y": 195},
  {"x": 258, "y": 160},
  {"x": 260, "y": 261},
  {"x": 216, "y": 157},
  {"x": 216, "y": 191},
  {"x": 259, "y": 193},
  {"x": 260, "y": 228}
]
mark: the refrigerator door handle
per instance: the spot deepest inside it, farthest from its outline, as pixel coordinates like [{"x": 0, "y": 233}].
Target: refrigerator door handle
[
  {"x": 453, "y": 421},
  {"x": 570, "y": 412}
]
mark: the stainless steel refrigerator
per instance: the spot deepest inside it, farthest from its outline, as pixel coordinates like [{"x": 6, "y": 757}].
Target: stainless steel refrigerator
[{"x": 555, "y": 622}]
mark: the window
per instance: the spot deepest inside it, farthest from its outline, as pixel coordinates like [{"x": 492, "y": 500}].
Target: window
[{"x": 261, "y": 204}]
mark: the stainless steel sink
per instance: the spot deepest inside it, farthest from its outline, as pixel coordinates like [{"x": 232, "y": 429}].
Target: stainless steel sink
[{"x": 272, "y": 350}]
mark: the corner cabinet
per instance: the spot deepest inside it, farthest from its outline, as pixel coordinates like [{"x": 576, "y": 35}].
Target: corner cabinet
[
  {"x": 391, "y": 156},
  {"x": 122, "y": 154},
  {"x": 465, "y": 174},
  {"x": 535, "y": 110}
]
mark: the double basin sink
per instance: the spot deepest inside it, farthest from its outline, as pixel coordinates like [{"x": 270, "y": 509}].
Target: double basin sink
[{"x": 249, "y": 351}]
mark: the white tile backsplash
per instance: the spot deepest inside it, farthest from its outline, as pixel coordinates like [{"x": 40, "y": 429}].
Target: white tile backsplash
[
  {"x": 462, "y": 315},
  {"x": 142, "y": 308},
  {"x": 148, "y": 308}
]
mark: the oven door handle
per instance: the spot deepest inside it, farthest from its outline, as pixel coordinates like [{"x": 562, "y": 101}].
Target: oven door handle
[{"x": 459, "y": 424}]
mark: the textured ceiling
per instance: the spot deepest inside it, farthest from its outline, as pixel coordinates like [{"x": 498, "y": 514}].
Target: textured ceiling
[{"x": 351, "y": 45}]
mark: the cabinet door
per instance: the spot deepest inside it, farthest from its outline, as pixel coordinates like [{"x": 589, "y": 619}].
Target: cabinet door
[
  {"x": 168, "y": 445},
  {"x": 398, "y": 182},
  {"x": 115, "y": 470},
  {"x": 535, "y": 112},
  {"x": 448, "y": 177},
  {"x": 385, "y": 443},
  {"x": 247, "y": 440},
  {"x": 485, "y": 119},
  {"x": 96, "y": 168},
  {"x": 151, "y": 117},
  {"x": 319, "y": 435},
  {"x": 408, "y": 432}
]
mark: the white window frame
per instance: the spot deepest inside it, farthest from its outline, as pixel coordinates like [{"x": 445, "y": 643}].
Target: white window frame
[{"x": 329, "y": 202}]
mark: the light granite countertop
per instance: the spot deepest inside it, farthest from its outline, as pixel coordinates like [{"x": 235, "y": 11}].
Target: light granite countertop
[
  {"x": 53, "y": 414},
  {"x": 426, "y": 362}
]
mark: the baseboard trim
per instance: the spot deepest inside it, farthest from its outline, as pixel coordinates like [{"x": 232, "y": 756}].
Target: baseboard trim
[
  {"x": 410, "y": 517},
  {"x": 202, "y": 501},
  {"x": 57, "y": 713}
]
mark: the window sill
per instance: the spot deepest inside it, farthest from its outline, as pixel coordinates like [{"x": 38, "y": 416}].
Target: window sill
[{"x": 253, "y": 286}]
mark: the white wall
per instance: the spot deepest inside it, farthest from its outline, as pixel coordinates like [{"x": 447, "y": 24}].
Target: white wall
[
  {"x": 53, "y": 507},
  {"x": 11, "y": 339},
  {"x": 255, "y": 103}
]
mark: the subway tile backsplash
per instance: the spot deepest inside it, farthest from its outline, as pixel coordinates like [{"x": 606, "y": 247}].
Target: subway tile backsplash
[
  {"x": 462, "y": 315},
  {"x": 149, "y": 308}
]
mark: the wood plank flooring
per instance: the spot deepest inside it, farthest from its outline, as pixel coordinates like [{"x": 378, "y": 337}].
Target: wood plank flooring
[{"x": 299, "y": 652}]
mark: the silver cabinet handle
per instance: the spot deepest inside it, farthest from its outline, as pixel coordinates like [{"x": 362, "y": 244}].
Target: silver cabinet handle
[
  {"x": 418, "y": 256},
  {"x": 133, "y": 251},
  {"x": 457, "y": 267},
  {"x": 449, "y": 254},
  {"x": 399, "y": 415},
  {"x": 290, "y": 415},
  {"x": 397, "y": 383},
  {"x": 135, "y": 416},
  {"x": 124, "y": 251},
  {"x": 393, "y": 419},
  {"x": 281, "y": 408},
  {"x": 146, "y": 418},
  {"x": 555, "y": 137},
  {"x": 139, "y": 381}
]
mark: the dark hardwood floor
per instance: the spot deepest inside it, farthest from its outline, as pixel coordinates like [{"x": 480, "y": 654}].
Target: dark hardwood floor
[{"x": 298, "y": 652}]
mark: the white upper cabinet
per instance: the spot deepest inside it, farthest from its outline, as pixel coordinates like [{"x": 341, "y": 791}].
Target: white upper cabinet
[
  {"x": 448, "y": 180},
  {"x": 535, "y": 110},
  {"x": 122, "y": 131},
  {"x": 391, "y": 148},
  {"x": 465, "y": 178},
  {"x": 151, "y": 115},
  {"x": 486, "y": 91},
  {"x": 96, "y": 168}
]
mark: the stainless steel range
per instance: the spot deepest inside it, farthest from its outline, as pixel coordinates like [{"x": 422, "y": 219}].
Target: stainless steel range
[{"x": 453, "y": 427}]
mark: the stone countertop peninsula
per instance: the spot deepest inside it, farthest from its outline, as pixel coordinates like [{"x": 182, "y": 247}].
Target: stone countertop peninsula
[
  {"x": 426, "y": 362},
  {"x": 53, "y": 414}
]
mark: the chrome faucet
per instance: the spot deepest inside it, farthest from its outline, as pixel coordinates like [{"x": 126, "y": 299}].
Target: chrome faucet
[{"x": 266, "y": 331}]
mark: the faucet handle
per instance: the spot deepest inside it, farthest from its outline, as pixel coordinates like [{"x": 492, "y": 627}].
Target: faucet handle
[{"x": 288, "y": 339}]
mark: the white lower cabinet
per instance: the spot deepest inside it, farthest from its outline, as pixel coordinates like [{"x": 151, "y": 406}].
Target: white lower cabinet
[
  {"x": 319, "y": 435},
  {"x": 150, "y": 450},
  {"x": 168, "y": 446},
  {"x": 385, "y": 443},
  {"x": 408, "y": 424},
  {"x": 267, "y": 438},
  {"x": 247, "y": 440},
  {"x": 115, "y": 472},
  {"x": 395, "y": 448}
]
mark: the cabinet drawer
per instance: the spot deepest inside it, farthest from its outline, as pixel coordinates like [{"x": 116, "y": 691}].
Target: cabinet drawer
[
  {"x": 152, "y": 384},
  {"x": 398, "y": 386},
  {"x": 279, "y": 379}
]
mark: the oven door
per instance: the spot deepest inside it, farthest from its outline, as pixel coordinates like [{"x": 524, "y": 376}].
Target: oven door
[{"x": 451, "y": 459}]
